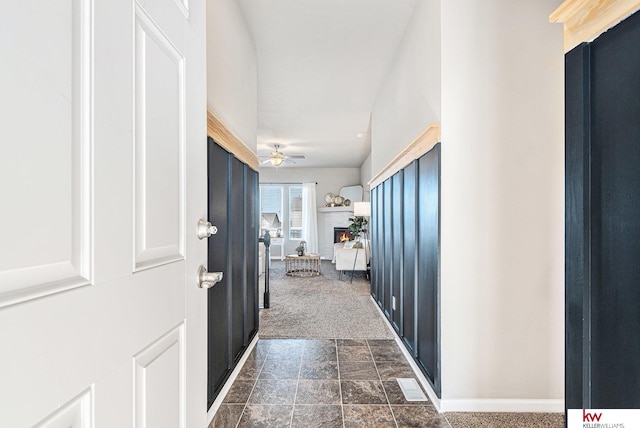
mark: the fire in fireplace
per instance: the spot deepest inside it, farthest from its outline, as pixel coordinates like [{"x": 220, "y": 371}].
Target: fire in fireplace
[{"x": 341, "y": 234}]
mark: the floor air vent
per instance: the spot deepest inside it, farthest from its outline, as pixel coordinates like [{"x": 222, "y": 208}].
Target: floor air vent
[{"x": 411, "y": 389}]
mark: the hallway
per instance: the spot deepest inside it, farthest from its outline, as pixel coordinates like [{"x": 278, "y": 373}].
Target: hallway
[
  {"x": 332, "y": 364},
  {"x": 316, "y": 381},
  {"x": 345, "y": 383},
  {"x": 323, "y": 383}
]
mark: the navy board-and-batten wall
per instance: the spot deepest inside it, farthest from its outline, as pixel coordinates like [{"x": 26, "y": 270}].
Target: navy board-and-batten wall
[
  {"x": 233, "y": 302},
  {"x": 602, "y": 220},
  {"x": 405, "y": 258}
]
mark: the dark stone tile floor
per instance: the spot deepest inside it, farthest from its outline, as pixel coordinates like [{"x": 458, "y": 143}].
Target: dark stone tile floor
[{"x": 341, "y": 383}]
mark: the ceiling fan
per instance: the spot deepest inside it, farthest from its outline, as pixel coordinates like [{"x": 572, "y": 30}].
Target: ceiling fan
[{"x": 277, "y": 158}]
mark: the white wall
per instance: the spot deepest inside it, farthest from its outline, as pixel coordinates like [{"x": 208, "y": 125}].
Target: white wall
[
  {"x": 502, "y": 201},
  {"x": 329, "y": 180},
  {"x": 232, "y": 70},
  {"x": 502, "y": 232},
  {"x": 410, "y": 94}
]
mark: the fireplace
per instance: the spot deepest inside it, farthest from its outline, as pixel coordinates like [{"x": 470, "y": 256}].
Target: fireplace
[
  {"x": 328, "y": 218},
  {"x": 341, "y": 234}
]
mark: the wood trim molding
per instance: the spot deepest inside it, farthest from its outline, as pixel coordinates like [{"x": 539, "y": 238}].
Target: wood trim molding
[
  {"x": 419, "y": 146},
  {"x": 217, "y": 130},
  {"x": 584, "y": 20}
]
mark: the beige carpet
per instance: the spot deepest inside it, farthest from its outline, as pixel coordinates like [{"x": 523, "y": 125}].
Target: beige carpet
[{"x": 320, "y": 307}]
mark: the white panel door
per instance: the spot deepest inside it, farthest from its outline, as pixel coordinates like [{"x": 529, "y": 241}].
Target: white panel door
[{"x": 102, "y": 183}]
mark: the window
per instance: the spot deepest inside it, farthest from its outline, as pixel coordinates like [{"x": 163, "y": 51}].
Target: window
[
  {"x": 273, "y": 201},
  {"x": 295, "y": 212},
  {"x": 271, "y": 210}
]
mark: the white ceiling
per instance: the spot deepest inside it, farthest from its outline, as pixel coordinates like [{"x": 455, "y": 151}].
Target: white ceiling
[{"x": 320, "y": 63}]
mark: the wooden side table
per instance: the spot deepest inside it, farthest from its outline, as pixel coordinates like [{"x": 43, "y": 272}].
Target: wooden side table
[{"x": 307, "y": 265}]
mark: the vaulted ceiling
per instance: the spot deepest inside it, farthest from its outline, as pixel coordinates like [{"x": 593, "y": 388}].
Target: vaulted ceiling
[{"x": 320, "y": 64}]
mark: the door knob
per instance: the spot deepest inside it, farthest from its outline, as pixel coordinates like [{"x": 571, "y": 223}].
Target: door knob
[
  {"x": 206, "y": 229},
  {"x": 208, "y": 279}
]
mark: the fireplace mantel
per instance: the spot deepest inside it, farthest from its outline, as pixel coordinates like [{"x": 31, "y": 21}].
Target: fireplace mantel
[{"x": 335, "y": 209}]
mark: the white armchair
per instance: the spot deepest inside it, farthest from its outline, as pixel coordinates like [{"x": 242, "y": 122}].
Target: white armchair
[{"x": 351, "y": 259}]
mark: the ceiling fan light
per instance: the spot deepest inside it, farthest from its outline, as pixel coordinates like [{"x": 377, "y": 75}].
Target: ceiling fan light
[{"x": 276, "y": 158}]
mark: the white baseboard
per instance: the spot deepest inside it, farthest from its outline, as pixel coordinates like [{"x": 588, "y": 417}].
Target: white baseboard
[
  {"x": 474, "y": 405},
  {"x": 227, "y": 385},
  {"x": 502, "y": 405},
  {"x": 416, "y": 370}
]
